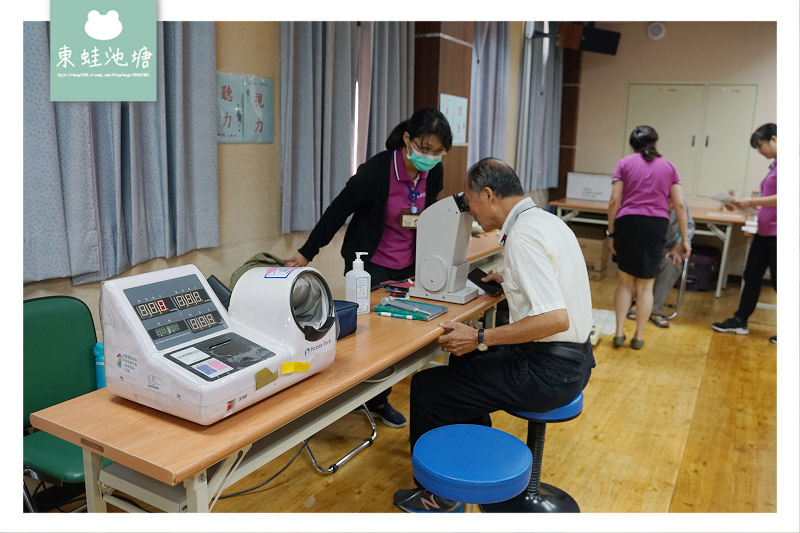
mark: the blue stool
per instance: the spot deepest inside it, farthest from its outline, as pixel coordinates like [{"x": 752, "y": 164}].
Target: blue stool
[
  {"x": 471, "y": 463},
  {"x": 541, "y": 497}
]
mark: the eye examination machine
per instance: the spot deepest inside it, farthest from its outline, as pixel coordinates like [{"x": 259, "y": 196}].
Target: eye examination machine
[
  {"x": 443, "y": 233},
  {"x": 171, "y": 345}
]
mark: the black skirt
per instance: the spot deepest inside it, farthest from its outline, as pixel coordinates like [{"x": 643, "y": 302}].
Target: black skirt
[{"x": 639, "y": 242}]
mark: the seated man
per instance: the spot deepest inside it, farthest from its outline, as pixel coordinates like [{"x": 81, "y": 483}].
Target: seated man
[
  {"x": 539, "y": 361},
  {"x": 670, "y": 268}
]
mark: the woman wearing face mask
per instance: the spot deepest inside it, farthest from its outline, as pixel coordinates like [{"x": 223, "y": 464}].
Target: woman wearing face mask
[{"x": 385, "y": 197}]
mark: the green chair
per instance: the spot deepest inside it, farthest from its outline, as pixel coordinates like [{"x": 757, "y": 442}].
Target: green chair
[{"x": 58, "y": 364}]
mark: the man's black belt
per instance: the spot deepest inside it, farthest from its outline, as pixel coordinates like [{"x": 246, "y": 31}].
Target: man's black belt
[{"x": 575, "y": 351}]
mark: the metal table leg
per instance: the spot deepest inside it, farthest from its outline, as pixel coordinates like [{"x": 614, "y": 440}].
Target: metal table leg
[
  {"x": 92, "y": 465},
  {"x": 197, "y": 492},
  {"x": 722, "y": 281},
  {"x": 338, "y": 464}
]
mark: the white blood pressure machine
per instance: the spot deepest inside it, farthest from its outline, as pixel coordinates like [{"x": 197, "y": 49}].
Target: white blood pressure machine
[
  {"x": 443, "y": 233},
  {"x": 171, "y": 345}
]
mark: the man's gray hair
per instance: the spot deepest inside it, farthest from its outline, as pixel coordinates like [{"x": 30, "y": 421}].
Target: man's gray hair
[{"x": 495, "y": 174}]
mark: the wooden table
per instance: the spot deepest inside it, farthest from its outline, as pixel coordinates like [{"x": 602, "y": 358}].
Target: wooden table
[
  {"x": 179, "y": 466},
  {"x": 708, "y": 218}
]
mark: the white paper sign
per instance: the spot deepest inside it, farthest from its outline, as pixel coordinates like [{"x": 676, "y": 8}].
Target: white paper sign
[
  {"x": 588, "y": 186},
  {"x": 454, "y": 108}
]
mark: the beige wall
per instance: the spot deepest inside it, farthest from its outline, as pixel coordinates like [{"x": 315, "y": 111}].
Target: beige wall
[
  {"x": 249, "y": 186},
  {"x": 704, "y": 52}
]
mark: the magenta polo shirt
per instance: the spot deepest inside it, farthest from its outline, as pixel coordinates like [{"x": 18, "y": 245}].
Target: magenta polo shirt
[
  {"x": 767, "y": 214},
  {"x": 646, "y": 185},
  {"x": 398, "y": 244}
]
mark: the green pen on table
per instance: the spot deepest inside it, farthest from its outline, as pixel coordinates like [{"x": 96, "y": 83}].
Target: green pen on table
[{"x": 397, "y": 315}]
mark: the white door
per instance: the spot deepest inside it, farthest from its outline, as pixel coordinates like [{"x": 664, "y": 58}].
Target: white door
[
  {"x": 676, "y": 113},
  {"x": 726, "y": 139},
  {"x": 704, "y": 130}
]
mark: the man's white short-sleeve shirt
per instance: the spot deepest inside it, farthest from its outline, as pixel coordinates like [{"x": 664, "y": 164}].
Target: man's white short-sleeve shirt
[{"x": 545, "y": 270}]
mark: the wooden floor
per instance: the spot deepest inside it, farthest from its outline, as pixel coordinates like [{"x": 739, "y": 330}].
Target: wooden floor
[{"x": 687, "y": 424}]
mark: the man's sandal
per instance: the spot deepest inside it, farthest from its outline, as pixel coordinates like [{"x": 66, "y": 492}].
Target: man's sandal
[{"x": 659, "y": 321}]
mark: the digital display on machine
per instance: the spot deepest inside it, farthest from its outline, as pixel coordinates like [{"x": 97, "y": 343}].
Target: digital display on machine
[
  {"x": 167, "y": 329},
  {"x": 190, "y": 299},
  {"x": 204, "y": 322},
  {"x": 176, "y": 310},
  {"x": 155, "y": 308},
  {"x": 163, "y": 306}
]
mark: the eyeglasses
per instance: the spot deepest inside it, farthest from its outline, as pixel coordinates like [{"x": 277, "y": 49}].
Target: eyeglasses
[{"x": 436, "y": 153}]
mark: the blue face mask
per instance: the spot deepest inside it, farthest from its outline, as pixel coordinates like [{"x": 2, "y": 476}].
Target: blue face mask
[{"x": 423, "y": 162}]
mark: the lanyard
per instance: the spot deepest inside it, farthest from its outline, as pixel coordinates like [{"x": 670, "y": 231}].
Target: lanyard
[
  {"x": 513, "y": 220},
  {"x": 413, "y": 195}
]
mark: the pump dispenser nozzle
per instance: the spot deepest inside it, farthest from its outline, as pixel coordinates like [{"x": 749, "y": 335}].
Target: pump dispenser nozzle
[{"x": 358, "y": 263}]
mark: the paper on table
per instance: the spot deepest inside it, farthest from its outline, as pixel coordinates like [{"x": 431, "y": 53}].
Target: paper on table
[
  {"x": 733, "y": 215},
  {"x": 727, "y": 199}
]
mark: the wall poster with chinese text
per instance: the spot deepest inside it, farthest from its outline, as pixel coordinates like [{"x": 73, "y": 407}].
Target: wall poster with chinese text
[
  {"x": 246, "y": 111},
  {"x": 229, "y": 108},
  {"x": 455, "y": 109},
  {"x": 258, "y": 110}
]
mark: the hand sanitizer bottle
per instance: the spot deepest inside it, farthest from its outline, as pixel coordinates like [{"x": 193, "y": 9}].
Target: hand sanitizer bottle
[{"x": 357, "y": 284}]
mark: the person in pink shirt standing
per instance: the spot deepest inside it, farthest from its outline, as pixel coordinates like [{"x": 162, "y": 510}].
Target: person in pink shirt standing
[
  {"x": 638, "y": 215},
  {"x": 383, "y": 200},
  {"x": 763, "y": 252}
]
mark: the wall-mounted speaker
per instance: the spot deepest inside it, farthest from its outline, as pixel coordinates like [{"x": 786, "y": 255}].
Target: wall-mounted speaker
[{"x": 601, "y": 41}]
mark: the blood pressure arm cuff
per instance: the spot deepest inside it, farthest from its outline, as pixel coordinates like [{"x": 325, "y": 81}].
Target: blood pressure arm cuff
[{"x": 345, "y": 317}]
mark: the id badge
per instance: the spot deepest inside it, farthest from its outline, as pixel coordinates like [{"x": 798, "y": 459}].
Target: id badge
[{"x": 408, "y": 219}]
